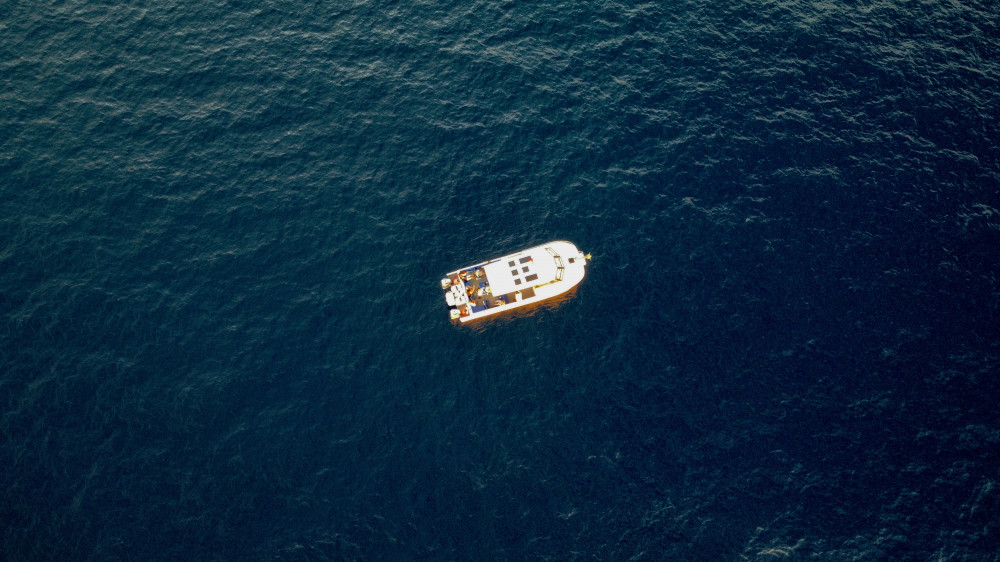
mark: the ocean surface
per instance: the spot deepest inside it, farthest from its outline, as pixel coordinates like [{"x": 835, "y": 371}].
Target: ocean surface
[{"x": 223, "y": 225}]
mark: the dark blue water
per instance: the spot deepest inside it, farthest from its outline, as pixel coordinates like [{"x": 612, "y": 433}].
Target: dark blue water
[{"x": 222, "y": 227}]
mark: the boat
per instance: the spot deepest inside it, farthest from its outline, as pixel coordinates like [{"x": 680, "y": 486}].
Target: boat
[{"x": 509, "y": 282}]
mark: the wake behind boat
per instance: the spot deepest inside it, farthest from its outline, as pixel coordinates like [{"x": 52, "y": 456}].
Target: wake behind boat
[{"x": 515, "y": 280}]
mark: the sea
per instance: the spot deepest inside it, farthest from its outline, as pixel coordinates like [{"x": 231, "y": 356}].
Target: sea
[{"x": 223, "y": 226}]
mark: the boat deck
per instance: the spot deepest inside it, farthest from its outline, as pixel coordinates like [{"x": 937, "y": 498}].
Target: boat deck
[{"x": 481, "y": 297}]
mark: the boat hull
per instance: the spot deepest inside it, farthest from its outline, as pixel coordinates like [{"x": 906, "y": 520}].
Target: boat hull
[{"x": 514, "y": 281}]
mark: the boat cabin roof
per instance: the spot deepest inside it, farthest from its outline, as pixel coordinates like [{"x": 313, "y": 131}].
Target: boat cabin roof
[{"x": 532, "y": 267}]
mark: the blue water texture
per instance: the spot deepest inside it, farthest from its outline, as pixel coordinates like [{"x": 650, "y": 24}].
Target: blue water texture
[{"x": 223, "y": 226}]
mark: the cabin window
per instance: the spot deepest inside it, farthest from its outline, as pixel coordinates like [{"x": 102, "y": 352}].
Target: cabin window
[
  {"x": 524, "y": 269},
  {"x": 531, "y": 277},
  {"x": 513, "y": 272},
  {"x": 517, "y": 281},
  {"x": 511, "y": 264},
  {"x": 525, "y": 259}
]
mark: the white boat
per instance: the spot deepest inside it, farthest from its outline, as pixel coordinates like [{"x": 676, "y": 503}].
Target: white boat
[{"x": 527, "y": 277}]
